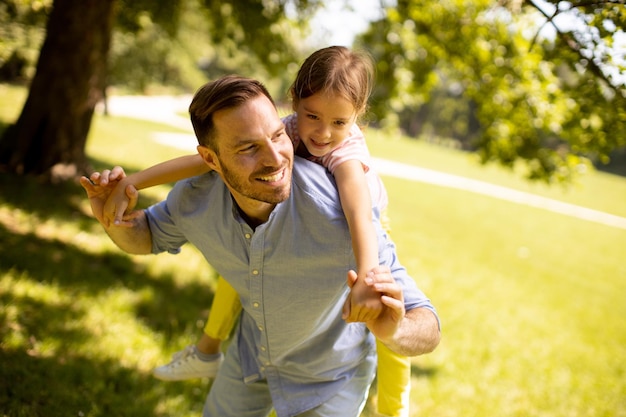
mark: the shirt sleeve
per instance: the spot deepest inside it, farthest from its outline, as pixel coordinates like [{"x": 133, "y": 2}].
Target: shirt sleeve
[
  {"x": 413, "y": 296},
  {"x": 291, "y": 127},
  {"x": 354, "y": 147},
  {"x": 166, "y": 235}
]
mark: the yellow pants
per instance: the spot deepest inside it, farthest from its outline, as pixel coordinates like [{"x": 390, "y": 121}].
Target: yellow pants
[
  {"x": 224, "y": 311},
  {"x": 393, "y": 374},
  {"x": 394, "y": 382}
]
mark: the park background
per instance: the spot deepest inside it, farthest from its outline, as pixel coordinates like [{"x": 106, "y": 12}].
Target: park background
[{"x": 528, "y": 275}]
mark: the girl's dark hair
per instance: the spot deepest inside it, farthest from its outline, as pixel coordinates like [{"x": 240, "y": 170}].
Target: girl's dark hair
[{"x": 336, "y": 70}]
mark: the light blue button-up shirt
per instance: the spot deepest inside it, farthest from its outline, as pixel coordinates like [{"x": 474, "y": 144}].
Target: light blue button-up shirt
[{"x": 290, "y": 273}]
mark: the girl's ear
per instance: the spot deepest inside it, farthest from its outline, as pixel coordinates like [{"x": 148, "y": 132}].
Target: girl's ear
[{"x": 209, "y": 157}]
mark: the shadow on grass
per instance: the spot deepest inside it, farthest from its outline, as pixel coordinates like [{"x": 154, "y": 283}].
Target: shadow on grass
[
  {"x": 71, "y": 382},
  {"x": 79, "y": 386},
  {"x": 421, "y": 372},
  {"x": 50, "y": 201},
  {"x": 54, "y": 261}
]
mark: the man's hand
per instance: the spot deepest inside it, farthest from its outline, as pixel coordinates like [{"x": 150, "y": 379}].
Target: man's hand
[
  {"x": 380, "y": 280},
  {"x": 135, "y": 238},
  {"x": 99, "y": 187},
  {"x": 409, "y": 333}
]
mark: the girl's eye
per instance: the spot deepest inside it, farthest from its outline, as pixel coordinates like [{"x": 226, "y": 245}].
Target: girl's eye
[{"x": 312, "y": 116}]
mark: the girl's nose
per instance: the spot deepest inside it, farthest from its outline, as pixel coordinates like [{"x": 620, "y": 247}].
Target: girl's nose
[{"x": 323, "y": 132}]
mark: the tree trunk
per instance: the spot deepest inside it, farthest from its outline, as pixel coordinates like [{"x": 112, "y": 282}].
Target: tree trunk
[{"x": 50, "y": 135}]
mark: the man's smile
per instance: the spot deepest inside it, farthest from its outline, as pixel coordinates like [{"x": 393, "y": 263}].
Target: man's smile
[{"x": 274, "y": 177}]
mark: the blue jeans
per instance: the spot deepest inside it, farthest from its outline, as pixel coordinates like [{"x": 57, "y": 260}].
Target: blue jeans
[{"x": 231, "y": 397}]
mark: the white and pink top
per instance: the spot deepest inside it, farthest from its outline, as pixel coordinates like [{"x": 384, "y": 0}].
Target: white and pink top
[{"x": 354, "y": 147}]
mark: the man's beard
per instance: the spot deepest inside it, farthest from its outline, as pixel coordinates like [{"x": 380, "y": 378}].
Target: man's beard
[{"x": 247, "y": 189}]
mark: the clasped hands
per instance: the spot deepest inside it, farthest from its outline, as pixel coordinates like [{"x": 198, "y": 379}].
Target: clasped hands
[
  {"x": 375, "y": 299},
  {"x": 112, "y": 201}
]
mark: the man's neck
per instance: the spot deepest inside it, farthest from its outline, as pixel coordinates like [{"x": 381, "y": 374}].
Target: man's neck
[{"x": 255, "y": 216}]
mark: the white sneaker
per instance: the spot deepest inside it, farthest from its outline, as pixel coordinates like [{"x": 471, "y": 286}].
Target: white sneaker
[{"x": 186, "y": 364}]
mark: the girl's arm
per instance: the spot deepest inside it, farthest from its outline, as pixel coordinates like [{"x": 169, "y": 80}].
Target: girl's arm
[
  {"x": 163, "y": 173},
  {"x": 357, "y": 206}
]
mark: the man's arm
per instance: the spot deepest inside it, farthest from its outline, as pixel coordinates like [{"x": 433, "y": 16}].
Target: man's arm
[
  {"x": 417, "y": 334},
  {"x": 409, "y": 333},
  {"x": 135, "y": 237}
]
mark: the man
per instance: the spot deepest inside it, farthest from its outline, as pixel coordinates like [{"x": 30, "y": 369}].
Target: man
[{"x": 274, "y": 228}]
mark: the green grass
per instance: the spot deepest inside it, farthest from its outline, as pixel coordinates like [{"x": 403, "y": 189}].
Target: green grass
[
  {"x": 596, "y": 190},
  {"x": 532, "y": 302}
]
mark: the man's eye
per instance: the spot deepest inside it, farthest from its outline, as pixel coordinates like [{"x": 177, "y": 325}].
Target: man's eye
[{"x": 247, "y": 149}]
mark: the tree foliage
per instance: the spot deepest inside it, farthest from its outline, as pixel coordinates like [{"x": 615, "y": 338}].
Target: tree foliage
[
  {"x": 485, "y": 73},
  {"x": 22, "y": 29},
  {"x": 75, "y": 79},
  {"x": 205, "y": 39}
]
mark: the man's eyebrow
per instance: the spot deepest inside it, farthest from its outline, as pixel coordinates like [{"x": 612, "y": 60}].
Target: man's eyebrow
[
  {"x": 246, "y": 140},
  {"x": 243, "y": 141}
]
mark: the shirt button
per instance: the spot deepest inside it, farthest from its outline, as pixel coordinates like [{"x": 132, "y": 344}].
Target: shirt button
[
  {"x": 248, "y": 235},
  {"x": 256, "y": 305},
  {"x": 261, "y": 328},
  {"x": 255, "y": 272},
  {"x": 263, "y": 349}
]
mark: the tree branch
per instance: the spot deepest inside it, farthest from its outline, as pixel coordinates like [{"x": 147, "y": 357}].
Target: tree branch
[{"x": 570, "y": 41}]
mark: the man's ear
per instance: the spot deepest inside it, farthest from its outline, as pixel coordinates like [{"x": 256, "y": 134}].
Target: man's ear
[{"x": 209, "y": 156}]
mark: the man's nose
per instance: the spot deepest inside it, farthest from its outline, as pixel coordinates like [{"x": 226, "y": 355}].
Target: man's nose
[{"x": 271, "y": 154}]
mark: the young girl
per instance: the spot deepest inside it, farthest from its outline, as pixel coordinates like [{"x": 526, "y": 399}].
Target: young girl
[{"x": 329, "y": 94}]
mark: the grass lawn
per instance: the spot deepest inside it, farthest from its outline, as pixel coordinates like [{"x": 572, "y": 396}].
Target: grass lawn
[{"x": 532, "y": 302}]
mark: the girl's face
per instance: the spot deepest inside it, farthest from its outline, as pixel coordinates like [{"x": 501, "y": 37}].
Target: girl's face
[{"x": 324, "y": 121}]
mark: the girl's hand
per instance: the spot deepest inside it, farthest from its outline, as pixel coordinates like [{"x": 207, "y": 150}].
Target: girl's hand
[
  {"x": 386, "y": 324},
  {"x": 364, "y": 303},
  {"x": 99, "y": 187},
  {"x": 120, "y": 204}
]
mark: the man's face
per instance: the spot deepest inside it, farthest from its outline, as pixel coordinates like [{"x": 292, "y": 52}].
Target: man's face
[{"x": 255, "y": 156}]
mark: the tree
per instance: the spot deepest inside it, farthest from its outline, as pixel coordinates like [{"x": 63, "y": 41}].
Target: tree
[
  {"x": 514, "y": 93},
  {"x": 49, "y": 137},
  {"x": 52, "y": 129}
]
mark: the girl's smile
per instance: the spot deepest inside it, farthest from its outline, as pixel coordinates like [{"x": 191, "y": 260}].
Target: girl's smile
[{"x": 324, "y": 121}]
